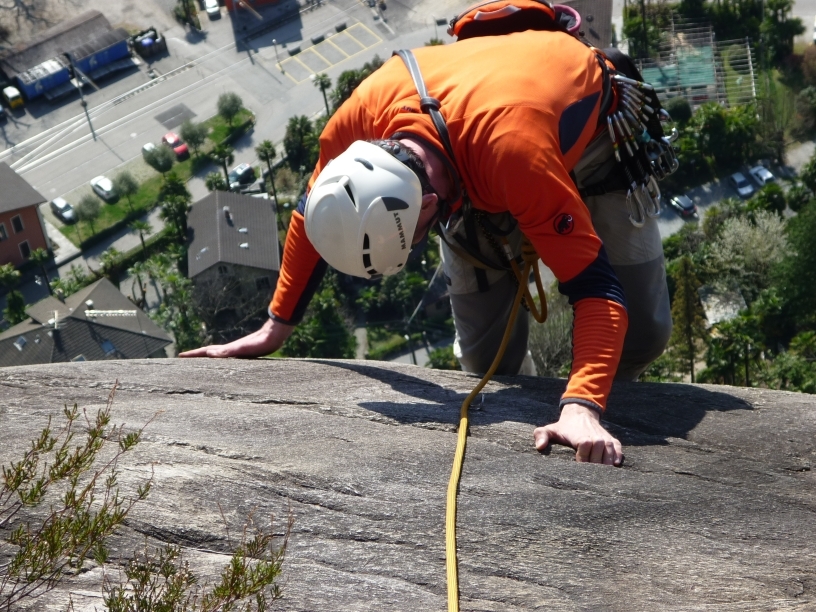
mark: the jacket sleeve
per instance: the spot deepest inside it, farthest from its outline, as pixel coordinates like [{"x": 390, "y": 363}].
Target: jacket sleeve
[
  {"x": 302, "y": 268},
  {"x": 529, "y": 174}
]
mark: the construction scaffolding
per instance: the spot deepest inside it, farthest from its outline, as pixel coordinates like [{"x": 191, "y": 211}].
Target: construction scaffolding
[{"x": 691, "y": 63}]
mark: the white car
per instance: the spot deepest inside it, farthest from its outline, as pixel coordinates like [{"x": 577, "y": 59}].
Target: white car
[
  {"x": 103, "y": 187},
  {"x": 741, "y": 185},
  {"x": 762, "y": 175},
  {"x": 148, "y": 148},
  {"x": 212, "y": 8}
]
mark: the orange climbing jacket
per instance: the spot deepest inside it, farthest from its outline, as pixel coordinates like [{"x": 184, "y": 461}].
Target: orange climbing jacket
[{"x": 520, "y": 110}]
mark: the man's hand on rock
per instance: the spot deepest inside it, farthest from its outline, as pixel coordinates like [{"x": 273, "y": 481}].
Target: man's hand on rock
[
  {"x": 580, "y": 428},
  {"x": 266, "y": 340}
]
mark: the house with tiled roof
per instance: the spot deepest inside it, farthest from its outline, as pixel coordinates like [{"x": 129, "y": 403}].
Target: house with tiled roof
[
  {"x": 22, "y": 229},
  {"x": 93, "y": 324},
  {"x": 233, "y": 259}
]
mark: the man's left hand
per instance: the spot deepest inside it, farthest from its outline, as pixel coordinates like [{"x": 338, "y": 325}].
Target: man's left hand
[{"x": 580, "y": 428}]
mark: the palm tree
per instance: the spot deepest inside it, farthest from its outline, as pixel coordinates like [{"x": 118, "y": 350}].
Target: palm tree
[
  {"x": 323, "y": 82},
  {"x": 223, "y": 153},
  {"x": 266, "y": 153},
  {"x": 40, "y": 257},
  {"x": 138, "y": 270},
  {"x": 143, "y": 227},
  {"x": 215, "y": 182}
]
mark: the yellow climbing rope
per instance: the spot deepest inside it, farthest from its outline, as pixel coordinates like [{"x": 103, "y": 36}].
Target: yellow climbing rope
[{"x": 530, "y": 258}]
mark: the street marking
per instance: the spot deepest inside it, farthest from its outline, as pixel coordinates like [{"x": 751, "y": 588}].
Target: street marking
[{"x": 320, "y": 57}]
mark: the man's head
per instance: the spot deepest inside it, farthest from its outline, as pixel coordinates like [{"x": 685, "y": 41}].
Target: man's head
[{"x": 369, "y": 206}]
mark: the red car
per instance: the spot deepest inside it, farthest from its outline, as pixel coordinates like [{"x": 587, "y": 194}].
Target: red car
[{"x": 172, "y": 140}]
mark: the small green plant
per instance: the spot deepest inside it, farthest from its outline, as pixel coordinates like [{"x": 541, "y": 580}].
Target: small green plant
[
  {"x": 78, "y": 479},
  {"x": 162, "y": 580}
]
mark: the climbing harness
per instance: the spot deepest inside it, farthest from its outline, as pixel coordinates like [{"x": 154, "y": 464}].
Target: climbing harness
[{"x": 642, "y": 154}]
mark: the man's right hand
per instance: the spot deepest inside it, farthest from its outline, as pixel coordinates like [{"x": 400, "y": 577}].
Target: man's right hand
[{"x": 266, "y": 340}]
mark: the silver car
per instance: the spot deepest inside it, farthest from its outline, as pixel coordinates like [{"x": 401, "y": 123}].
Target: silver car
[
  {"x": 762, "y": 175},
  {"x": 63, "y": 210},
  {"x": 741, "y": 185}
]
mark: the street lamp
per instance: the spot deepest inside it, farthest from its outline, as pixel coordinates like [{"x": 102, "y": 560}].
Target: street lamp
[
  {"x": 277, "y": 59},
  {"x": 78, "y": 80}
]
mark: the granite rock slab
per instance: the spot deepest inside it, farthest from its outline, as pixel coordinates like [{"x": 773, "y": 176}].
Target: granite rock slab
[{"x": 714, "y": 508}]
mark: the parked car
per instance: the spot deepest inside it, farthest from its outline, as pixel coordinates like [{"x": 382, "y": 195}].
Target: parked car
[
  {"x": 63, "y": 210},
  {"x": 103, "y": 187},
  {"x": 172, "y": 140},
  {"x": 242, "y": 174},
  {"x": 12, "y": 97},
  {"x": 762, "y": 175},
  {"x": 741, "y": 184},
  {"x": 683, "y": 205},
  {"x": 212, "y": 8},
  {"x": 147, "y": 148}
]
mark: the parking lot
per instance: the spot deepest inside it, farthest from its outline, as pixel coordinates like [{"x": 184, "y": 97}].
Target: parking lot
[{"x": 332, "y": 50}]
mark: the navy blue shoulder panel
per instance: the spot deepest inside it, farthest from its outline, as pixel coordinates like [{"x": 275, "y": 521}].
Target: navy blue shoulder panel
[
  {"x": 573, "y": 121},
  {"x": 301, "y": 205},
  {"x": 598, "y": 280}
]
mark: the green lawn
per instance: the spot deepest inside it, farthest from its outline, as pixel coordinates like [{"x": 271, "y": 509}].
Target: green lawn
[{"x": 148, "y": 194}]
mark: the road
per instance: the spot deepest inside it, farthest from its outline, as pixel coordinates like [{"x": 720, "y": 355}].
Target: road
[{"x": 58, "y": 151}]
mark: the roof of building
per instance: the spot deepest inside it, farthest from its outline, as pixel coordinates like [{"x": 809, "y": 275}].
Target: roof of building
[
  {"x": 596, "y": 20},
  {"x": 97, "y": 322},
  {"x": 54, "y": 41},
  {"x": 228, "y": 227},
  {"x": 15, "y": 192}
]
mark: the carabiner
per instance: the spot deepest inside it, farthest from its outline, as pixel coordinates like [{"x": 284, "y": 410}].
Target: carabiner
[{"x": 636, "y": 214}]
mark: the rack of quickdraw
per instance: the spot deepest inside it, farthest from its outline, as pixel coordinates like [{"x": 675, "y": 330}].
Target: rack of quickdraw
[{"x": 644, "y": 152}]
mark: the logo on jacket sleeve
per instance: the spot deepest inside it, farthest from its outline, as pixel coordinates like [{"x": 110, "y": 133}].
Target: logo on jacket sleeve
[{"x": 564, "y": 224}]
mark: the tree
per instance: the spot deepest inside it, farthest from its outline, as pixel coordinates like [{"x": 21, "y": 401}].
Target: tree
[
  {"x": 796, "y": 273},
  {"x": 443, "y": 358},
  {"x": 124, "y": 184},
  {"x": 687, "y": 315},
  {"x": 297, "y": 142},
  {"x": 808, "y": 174},
  {"x": 40, "y": 257},
  {"x": 746, "y": 252},
  {"x": 779, "y": 29},
  {"x": 266, "y": 153},
  {"x": 142, "y": 227},
  {"x": 223, "y": 154},
  {"x": 138, "y": 271},
  {"x": 798, "y": 197},
  {"x": 160, "y": 158},
  {"x": 109, "y": 262},
  {"x": 679, "y": 109},
  {"x": 173, "y": 185},
  {"x": 9, "y": 276},
  {"x": 88, "y": 210},
  {"x": 14, "y": 312},
  {"x": 215, "y": 182},
  {"x": 348, "y": 81},
  {"x": 229, "y": 105},
  {"x": 770, "y": 198},
  {"x": 174, "y": 211},
  {"x": 194, "y": 134},
  {"x": 809, "y": 64},
  {"x": 323, "y": 82},
  {"x": 323, "y": 333}
]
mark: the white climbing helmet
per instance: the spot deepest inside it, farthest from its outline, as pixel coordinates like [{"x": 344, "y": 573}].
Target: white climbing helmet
[{"x": 362, "y": 211}]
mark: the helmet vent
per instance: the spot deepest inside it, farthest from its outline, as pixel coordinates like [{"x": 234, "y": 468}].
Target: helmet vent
[
  {"x": 350, "y": 194},
  {"x": 365, "y": 162},
  {"x": 365, "y": 243},
  {"x": 366, "y": 260}
]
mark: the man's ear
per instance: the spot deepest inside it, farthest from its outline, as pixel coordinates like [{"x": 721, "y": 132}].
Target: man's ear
[{"x": 429, "y": 200}]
